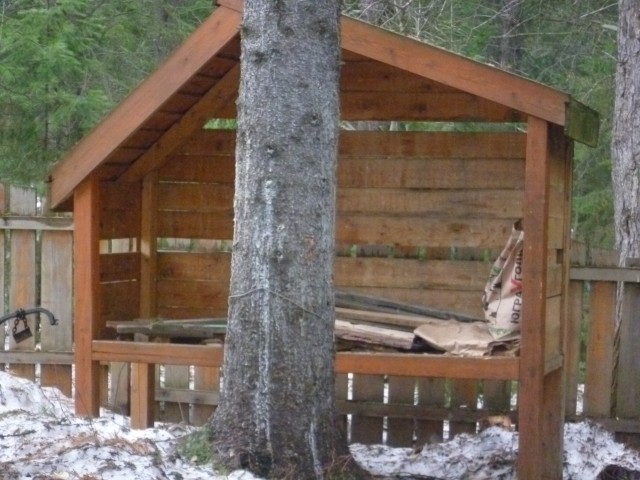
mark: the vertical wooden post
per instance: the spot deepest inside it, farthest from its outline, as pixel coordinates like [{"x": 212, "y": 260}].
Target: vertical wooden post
[
  {"x": 464, "y": 394},
  {"x": 628, "y": 391},
  {"x": 531, "y": 376},
  {"x": 431, "y": 392},
  {"x": 572, "y": 353},
  {"x": 342, "y": 396},
  {"x": 628, "y": 395},
  {"x": 148, "y": 246},
  {"x": 558, "y": 244},
  {"x": 22, "y": 284},
  {"x": 205, "y": 378},
  {"x": 143, "y": 375},
  {"x": 600, "y": 356},
  {"x": 56, "y": 295},
  {"x": 365, "y": 429},
  {"x": 400, "y": 430},
  {"x": 142, "y": 395},
  {"x": 88, "y": 324}
]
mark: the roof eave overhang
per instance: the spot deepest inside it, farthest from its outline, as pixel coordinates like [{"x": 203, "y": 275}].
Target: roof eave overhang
[{"x": 94, "y": 149}]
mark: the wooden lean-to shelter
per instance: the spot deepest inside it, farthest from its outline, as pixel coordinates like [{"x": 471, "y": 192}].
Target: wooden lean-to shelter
[{"x": 160, "y": 166}]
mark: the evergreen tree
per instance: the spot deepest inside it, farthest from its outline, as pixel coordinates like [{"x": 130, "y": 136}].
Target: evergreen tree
[
  {"x": 65, "y": 63},
  {"x": 277, "y": 412}
]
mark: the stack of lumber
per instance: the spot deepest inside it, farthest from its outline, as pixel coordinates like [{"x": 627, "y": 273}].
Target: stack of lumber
[
  {"x": 373, "y": 322},
  {"x": 362, "y": 323}
]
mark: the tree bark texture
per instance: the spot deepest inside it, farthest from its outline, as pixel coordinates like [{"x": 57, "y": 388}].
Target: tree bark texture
[
  {"x": 276, "y": 416},
  {"x": 626, "y": 140}
]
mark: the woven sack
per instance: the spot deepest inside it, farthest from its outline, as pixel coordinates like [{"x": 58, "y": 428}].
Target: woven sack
[{"x": 502, "y": 299}]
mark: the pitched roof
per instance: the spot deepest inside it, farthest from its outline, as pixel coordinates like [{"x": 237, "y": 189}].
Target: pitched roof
[{"x": 199, "y": 81}]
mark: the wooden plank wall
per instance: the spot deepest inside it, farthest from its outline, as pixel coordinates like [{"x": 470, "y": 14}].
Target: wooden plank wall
[{"x": 392, "y": 188}]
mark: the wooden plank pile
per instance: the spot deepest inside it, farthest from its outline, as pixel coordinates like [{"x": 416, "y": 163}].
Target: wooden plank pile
[
  {"x": 378, "y": 323},
  {"x": 362, "y": 323}
]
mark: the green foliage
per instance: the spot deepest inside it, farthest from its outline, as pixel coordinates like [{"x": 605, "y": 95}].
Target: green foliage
[
  {"x": 196, "y": 447},
  {"x": 65, "y": 63}
]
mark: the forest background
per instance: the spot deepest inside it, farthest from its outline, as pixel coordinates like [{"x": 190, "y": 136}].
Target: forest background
[{"x": 64, "y": 64}]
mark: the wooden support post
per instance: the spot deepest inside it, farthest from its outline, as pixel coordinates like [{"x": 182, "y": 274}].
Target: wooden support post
[
  {"x": 86, "y": 203},
  {"x": 142, "y": 395},
  {"x": 143, "y": 375},
  {"x": 531, "y": 396},
  {"x": 559, "y": 178}
]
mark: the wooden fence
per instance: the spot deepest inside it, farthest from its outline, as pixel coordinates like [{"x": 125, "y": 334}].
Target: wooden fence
[
  {"x": 602, "y": 362},
  {"x": 38, "y": 266}
]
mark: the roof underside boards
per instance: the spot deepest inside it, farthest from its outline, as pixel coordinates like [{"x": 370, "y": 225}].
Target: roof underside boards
[
  {"x": 381, "y": 79},
  {"x": 398, "y": 95},
  {"x": 143, "y": 108}
]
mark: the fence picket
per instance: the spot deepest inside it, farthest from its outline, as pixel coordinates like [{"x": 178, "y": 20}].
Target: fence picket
[
  {"x": 367, "y": 429},
  {"x": 463, "y": 395},
  {"x": 572, "y": 353},
  {"x": 56, "y": 278},
  {"x": 431, "y": 393},
  {"x": 400, "y": 430},
  {"x": 600, "y": 359},
  {"x": 628, "y": 394},
  {"x": 22, "y": 286}
]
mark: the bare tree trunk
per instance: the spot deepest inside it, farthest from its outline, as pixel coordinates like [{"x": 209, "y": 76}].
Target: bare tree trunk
[
  {"x": 626, "y": 141},
  {"x": 277, "y": 412},
  {"x": 372, "y": 10},
  {"x": 510, "y": 42},
  {"x": 625, "y": 153},
  {"x": 506, "y": 49}
]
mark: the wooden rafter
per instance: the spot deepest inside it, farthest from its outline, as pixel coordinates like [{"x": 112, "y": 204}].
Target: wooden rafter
[{"x": 223, "y": 92}]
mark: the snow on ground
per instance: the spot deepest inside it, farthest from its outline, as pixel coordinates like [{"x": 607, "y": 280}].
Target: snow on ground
[{"x": 40, "y": 439}]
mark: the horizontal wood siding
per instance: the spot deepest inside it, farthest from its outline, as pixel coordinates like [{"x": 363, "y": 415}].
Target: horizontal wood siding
[
  {"x": 404, "y": 191},
  {"x": 120, "y": 215}
]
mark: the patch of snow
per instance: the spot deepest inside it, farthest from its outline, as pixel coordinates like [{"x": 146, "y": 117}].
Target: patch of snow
[
  {"x": 41, "y": 438},
  {"x": 492, "y": 454}
]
